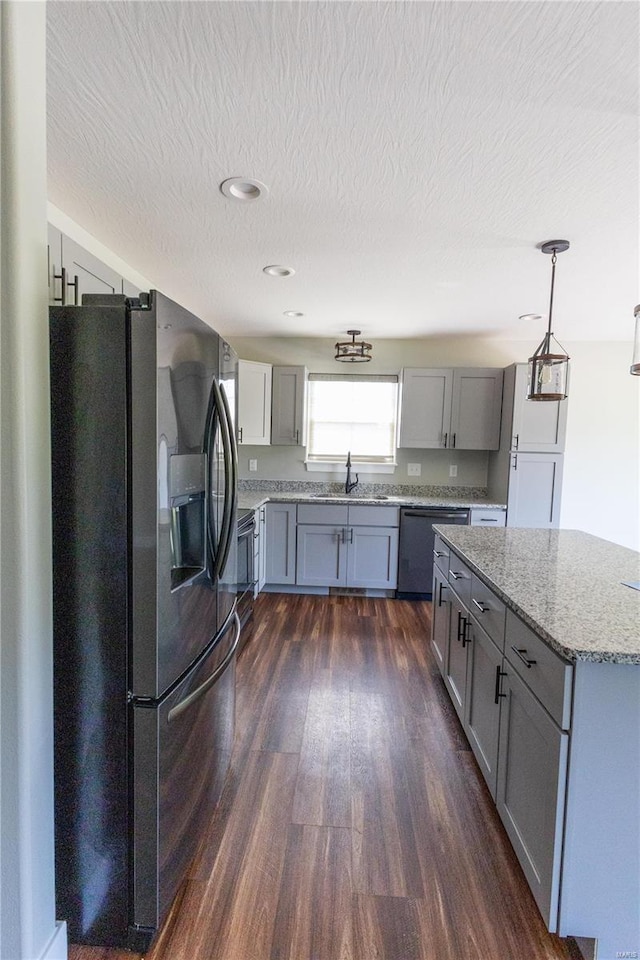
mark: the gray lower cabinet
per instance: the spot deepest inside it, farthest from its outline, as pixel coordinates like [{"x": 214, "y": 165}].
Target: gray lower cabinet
[
  {"x": 280, "y": 552},
  {"x": 482, "y": 706},
  {"x": 440, "y": 618},
  {"x": 456, "y": 661},
  {"x": 322, "y": 555},
  {"x": 512, "y": 694},
  {"x": 531, "y": 789},
  {"x": 350, "y": 556},
  {"x": 535, "y": 486}
]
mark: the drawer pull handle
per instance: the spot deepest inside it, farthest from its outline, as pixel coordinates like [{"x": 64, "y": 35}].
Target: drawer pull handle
[
  {"x": 480, "y": 605},
  {"x": 439, "y": 553},
  {"x": 457, "y": 575},
  {"x": 499, "y": 673},
  {"x": 521, "y": 656},
  {"x": 488, "y": 520}
]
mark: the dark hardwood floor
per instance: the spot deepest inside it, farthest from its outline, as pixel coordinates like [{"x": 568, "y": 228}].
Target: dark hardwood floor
[{"x": 354, "y": 823}]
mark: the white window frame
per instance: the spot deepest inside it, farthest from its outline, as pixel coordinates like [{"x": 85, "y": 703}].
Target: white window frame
[{"x": 334, "y": 464}]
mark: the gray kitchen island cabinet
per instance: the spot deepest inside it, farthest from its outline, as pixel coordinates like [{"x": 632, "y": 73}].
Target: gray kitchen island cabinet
[
  {"x": 561, "y": 690},
  {"x": 457, "y": 408},
  {"x": 347, "y": 546}
]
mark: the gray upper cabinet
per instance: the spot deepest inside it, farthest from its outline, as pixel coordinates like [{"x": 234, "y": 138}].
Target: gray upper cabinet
[
  {"x": 425, "y": 410},
  {"x": 254, "y": 403},
  {"x": 288, "y": 397},
  {"x": 54, "y": 264},
  {"x": 475, "y": 409},
  {"x": 531, "y": 426},
  {"x": 72, "y": 271},
  {"x": 84, "y": 273},
  {"x": 451, "y": 408}
]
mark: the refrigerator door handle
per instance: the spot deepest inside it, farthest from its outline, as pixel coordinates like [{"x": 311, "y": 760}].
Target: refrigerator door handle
[
  {"x": 188, "y": 701},
  {"x": 217, "y": 413},
  {"x": 231, "y": 474}
]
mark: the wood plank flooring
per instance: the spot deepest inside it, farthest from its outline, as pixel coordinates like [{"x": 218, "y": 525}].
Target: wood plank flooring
[{"x": 354, "y": 823}]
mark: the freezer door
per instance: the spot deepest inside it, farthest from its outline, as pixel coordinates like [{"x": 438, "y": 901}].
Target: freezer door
[
  {"x": 175, "y": 430},
  {"x": 182, "y": 750},
  {"x": 227, "y": 459}
]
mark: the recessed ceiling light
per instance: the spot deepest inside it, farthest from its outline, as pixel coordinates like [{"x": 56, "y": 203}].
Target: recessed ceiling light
[
  {"x": 530, "y": 316},
  {"x": 243, "y": 189},
  {"x": 293, "y": 313},
  {"x": 277, "y": 270}
]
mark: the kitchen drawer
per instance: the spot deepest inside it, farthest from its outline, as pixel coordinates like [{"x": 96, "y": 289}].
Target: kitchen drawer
[
  {"x": 487, "y": 610},
  {"x": 333, "y": 513},
  {"x": 441, "y": 552},
  {"x": 459, "y": 576},
  {"x": 368, "y": 516},
  {"x": 546, "y": 674},
  {"x": 488, "y": 518}
]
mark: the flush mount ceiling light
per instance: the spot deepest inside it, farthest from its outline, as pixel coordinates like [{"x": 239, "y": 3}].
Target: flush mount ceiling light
[
  {"x": 635, "y": 363},
  {"x": 292, "y": 313},
  {"x": 243, "y": 189},
  {"x": 277, "y": 270},
  {"x": 548, "y": 367},
  {"x": 354, "y": 351}
]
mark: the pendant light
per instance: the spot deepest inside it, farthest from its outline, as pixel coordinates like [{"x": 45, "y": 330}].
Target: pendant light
[
  {"x": 635, "y": 363},
  {"x": 548, "y": 367},
  {"x": 354, "y": 351}
]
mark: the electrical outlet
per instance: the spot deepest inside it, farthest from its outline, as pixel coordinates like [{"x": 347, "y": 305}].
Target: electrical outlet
[
  {"x": 253, "y": 465},
  {"x": 453, "y": 470},
  {"x": 414, "y": 469}
]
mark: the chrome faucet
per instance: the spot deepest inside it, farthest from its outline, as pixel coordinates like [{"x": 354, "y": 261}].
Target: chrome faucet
[{"x": 350, "y": 484}]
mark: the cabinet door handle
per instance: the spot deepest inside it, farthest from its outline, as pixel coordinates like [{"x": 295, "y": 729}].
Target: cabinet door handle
[
  {"x": 499, "y": 674},
  {"x": 514, "y": 461},
  {"x": 441, "y": 586},
  {"x": 520, "y": 653},
  {"x": 62, "y": 276},
  {"x": 480, "y": 605},
  {"x": 453, "y": 443},
  {"x": 75, "y": 289},
  {"x": 297, "y": 436},
  {"x": 350, "y": 534},
  {"x": 515, "y": 441},
  {"x": 445, "y": 439},
  {"x": 461, "y": 626},
  {"x": 239, "y": 434},
  {"x": 466, "y": 632}
]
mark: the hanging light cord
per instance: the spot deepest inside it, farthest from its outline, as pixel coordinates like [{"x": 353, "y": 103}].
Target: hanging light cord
[{"x": 554, "y": 259}]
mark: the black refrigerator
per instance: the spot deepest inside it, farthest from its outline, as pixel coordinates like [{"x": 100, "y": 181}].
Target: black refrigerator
[{"x": 144, "y": 484}]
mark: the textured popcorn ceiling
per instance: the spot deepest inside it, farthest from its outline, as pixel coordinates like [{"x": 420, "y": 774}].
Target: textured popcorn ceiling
[{"x": 415, "y": 152}]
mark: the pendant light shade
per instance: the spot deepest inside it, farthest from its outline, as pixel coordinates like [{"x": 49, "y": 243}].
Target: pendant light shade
[
  {"x": 354, "y": 351},
  {"x": 549, "y": 365},
  {"x": 635, "y": 363}
]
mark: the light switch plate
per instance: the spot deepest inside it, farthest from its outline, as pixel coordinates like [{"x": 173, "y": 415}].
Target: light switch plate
[
  {"x": 253, "y": 465},
  {"x": 414, "y": 469},
  {"x": 453, "y": 470}
]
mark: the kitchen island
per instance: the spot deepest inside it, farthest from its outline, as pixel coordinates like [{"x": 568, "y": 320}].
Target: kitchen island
[{"x": 540, "y": 653}]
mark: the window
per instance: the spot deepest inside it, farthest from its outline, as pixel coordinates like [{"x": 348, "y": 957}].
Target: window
[{"x": 352, "y": 413}]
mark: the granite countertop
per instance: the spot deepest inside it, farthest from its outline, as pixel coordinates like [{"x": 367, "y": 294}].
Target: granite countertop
[
  {"x": 440, "y": 497},
  {"x": 565, "y": 584}
]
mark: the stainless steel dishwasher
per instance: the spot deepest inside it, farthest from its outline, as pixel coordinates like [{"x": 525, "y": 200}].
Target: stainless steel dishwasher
[{"x": 415, "y": 561}]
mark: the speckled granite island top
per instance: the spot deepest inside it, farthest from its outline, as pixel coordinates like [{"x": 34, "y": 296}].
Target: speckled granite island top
[{"x": 565, "y": 584}]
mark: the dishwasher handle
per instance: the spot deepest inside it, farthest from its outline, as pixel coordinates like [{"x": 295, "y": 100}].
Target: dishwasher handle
[{"x": 432, "y": 514}]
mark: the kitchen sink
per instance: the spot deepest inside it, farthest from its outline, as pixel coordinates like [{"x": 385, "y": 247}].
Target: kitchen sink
[{"x": 347, "y": 496}]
